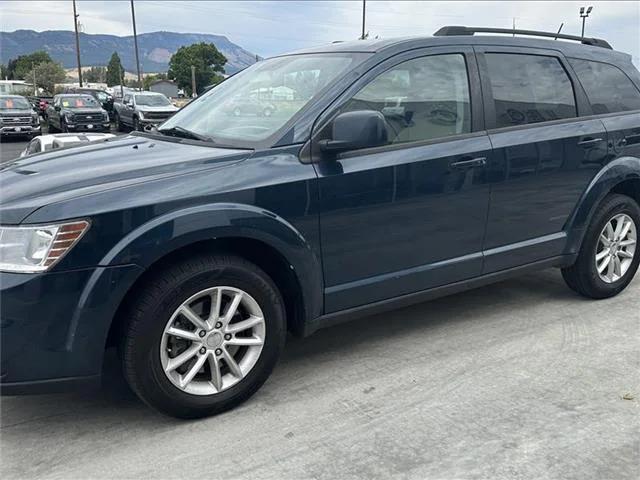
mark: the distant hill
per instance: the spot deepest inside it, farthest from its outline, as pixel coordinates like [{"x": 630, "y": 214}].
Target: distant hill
[{"x": 155, "y": 48}]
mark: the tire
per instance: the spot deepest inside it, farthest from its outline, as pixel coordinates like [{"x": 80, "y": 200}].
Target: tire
[
  {"x": 144, "y": 337},
  {"x": 118, "y": 122},
  {"x": 583, "y": 276},
  {"x": 136, "y": 124}
]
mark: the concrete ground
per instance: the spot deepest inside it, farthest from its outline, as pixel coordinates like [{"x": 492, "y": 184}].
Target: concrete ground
[{"x": 519, "y": 380}]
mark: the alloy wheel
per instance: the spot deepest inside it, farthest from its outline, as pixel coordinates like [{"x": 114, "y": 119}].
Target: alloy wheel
[
  {"x": 212, "y": 340},
  {"x": 616, "y": 248}
]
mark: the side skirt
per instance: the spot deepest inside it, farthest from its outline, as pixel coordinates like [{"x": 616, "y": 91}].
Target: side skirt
[{"x": 382, "y": 306}]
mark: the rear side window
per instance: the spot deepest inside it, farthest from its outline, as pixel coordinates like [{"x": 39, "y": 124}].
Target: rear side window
[
  {"x": 608, "y": 88},
  {"x": 529, "y": 89}
]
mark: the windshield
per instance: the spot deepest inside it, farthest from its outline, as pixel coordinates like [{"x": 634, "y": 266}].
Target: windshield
[
  {"x": 255, "y": 103},
  {"x": 14, "y": 103},
  {"x": 102, "y": 96},
  {"x": 152, "y": 100},
  {"x": 80, "y": 101}
]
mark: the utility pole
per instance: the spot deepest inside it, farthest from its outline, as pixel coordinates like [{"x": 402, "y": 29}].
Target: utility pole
[
  {"x": 514, "y": 26},
  {"x": 135, "y": 43},
  {"x": 193, "y": 81},
  {"x": 364, "y": 10},
  {"x": 583, "y": 16},
  {"x": 75, "y": 25}
]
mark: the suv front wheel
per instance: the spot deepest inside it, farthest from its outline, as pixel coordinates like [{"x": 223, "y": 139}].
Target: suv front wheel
[
  {"x": 203, "y": 336},
  {"x": 609, "y": 257}
]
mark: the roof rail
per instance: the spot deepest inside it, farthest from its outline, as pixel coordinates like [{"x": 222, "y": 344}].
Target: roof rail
[{"x": 460, "y": 30}]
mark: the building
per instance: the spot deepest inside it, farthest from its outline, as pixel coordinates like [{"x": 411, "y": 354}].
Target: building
[
  {"x": 16, "y": 87},
  {"x": 167, "y": 87}
]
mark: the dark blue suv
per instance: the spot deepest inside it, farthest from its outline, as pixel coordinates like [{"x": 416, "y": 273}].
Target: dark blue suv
[{"x": 388, "y": 172}]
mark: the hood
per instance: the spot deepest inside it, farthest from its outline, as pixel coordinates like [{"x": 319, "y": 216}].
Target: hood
[
  {"x": 163, "y": 108},
  {"x": 84, "y": 110},
  {"x": 29, "y": 183},
  {"x": 14, "y": 112}
]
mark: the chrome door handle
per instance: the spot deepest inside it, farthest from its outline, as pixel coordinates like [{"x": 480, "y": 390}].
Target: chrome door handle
[{"x": 475, "y": 162}]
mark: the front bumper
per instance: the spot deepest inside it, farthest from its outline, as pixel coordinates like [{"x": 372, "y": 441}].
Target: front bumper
[
  {"x": 20, "y": 130},
  {"x": 54, "y": 326}
]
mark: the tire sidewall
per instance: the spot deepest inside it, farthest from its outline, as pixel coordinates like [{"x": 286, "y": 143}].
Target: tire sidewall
[
  {"x": 619, "y": 205},
  {"x": 169, "y": 398}
]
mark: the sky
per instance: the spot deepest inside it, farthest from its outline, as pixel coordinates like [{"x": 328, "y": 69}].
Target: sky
[{"x": 272, "y": 27}]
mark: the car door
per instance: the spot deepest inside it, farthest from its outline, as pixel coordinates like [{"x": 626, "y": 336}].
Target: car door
[
  {"x": 545, "y": 153},
  {"x": 127, "y": 110},
  {"x": 54, "y": 113},
  {"x": 409, "y": 215},
  {"x": 615, "y": 98}
]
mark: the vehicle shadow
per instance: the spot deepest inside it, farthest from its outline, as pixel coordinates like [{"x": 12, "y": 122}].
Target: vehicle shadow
[{"x": 115, "y": 403}]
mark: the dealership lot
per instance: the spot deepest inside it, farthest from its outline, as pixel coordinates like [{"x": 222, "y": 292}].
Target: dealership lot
[{"x": 522, "y": 379}]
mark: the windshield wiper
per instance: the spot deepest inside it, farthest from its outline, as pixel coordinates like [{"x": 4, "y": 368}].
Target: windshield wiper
[{"x": 184, "y": 133}]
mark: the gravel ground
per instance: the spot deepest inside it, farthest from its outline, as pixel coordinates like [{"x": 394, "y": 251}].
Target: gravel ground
[{"x": 518, "y": 380}]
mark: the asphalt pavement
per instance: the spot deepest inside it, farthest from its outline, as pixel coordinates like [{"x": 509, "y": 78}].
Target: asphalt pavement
[{"x": 518, "y": 380}]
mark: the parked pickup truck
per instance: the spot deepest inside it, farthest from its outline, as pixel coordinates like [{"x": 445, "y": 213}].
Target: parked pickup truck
[
  {"x": 77, "y": 113},
  {"x": 138, "y": 110},
  {"x": 17, "y": 117}
]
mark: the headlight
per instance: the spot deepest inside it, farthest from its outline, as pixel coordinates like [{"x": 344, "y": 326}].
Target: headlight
[
  {"x": 105, "y": 116},
  {"x": 68, "y": 117},
  {"x": 29, "y": 249},
  {"x": 141, "y": 115},
  {"x": 34, "y": 119}
]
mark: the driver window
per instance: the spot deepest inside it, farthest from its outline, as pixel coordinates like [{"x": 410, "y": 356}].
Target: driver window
[{"x": 421, "y": 99}]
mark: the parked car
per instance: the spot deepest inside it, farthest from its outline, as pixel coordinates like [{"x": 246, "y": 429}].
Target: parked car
[
  {"x": 196, "y": 248},
  {"x": 45, "y": 143},
  {"x": 104, "y": 98},
  {"x": 17, "y": 117},
  {"x": 77, "y": 113},
  {"x": 249, "y": 106},
  {"x": 142, "y": 109}
]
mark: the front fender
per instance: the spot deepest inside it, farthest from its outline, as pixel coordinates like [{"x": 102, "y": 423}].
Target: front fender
[
  {"x": 167, "y": 233},
  {"x": 614, "y": 173}
]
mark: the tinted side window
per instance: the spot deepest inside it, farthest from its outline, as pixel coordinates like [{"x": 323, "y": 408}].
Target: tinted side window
[
  {"x": 529, "y": 89},
  {"x": 421, "y": 99},
  {"x": 608, "y": 88}
]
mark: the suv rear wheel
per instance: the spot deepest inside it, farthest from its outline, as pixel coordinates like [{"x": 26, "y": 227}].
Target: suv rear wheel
[
  {"x": 609, "y": 257},
  {"x": 203, "y": 336}
]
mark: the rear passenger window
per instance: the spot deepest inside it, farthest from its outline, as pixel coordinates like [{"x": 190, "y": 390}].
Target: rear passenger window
[
  {"x": 608, "y": 88},
  {"x": 421, "y": 99},
  {"x": 529, "y": 89}
]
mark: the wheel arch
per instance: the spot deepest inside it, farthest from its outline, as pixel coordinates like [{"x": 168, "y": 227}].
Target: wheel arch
[
  {"x": 620, "y": 176},
  {"x": 256, "y": 235}
]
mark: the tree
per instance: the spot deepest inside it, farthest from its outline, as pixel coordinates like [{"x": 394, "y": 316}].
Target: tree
[
  {"x": 20, "y": 67},
  {"x": 115, "y": 71},
  {"x": 47, "y": 74},
  {"x": 95, "y": 75},
  {"x": 209, "y": 63},
  {"x": 4, "y": 73}
]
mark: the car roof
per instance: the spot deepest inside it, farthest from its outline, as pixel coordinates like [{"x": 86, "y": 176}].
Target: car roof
[
  {"x": 568, "y": 48},
  {"x": 11, "y": 95}
]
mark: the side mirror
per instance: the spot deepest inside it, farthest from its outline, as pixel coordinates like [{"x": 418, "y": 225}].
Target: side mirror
[
  {"x": 57, "y": 108},
  {"x": 354, "y": 130}
]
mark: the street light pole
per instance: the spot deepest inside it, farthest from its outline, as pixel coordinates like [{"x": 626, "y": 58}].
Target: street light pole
[
  {"x": 364, "y": 10},
  {"x": 584, "y": 16},
  {"x": 135, "y": 43},
  {"x": 75, "y": 25}
]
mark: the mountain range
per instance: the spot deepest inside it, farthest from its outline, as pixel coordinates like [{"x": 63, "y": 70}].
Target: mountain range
[{"x": 155, "y": 48}]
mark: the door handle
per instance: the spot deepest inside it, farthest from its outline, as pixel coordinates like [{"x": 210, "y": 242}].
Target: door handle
[
  {"x": 475, "y": 162},
  {"x": 589, "y": 142}
]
